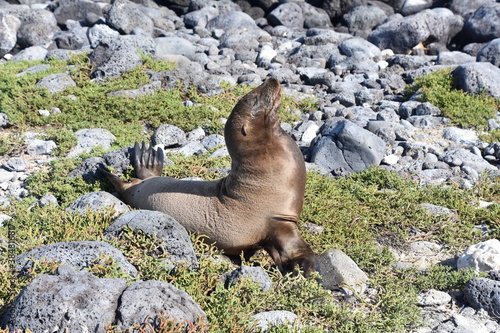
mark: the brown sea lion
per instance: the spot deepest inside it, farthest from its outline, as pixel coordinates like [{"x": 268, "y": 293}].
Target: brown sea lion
[{"x": 256, "y": 206}]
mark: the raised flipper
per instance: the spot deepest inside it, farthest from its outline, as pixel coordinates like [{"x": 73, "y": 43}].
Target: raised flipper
[
  {"x": 147, "y": 162},
  {"x": 119, "y": 184}
]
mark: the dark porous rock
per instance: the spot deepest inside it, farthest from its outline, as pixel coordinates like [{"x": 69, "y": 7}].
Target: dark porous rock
[
  {"x": 56, "y": 82},
  {"x": 483, "y": 25},
  {"x": 401, "y": 35},
  {"x": 347, "y": 148},
  {"x": 314, "y": 16},
  {"x": 478, "y": 77},
  {"x": 466, "y": 8},
  {"x": 338, "y": 271},
  {"x": 9, "y": 25},
  {"x": 68, "y": 301},
  {"x": 99, "y": 32},
  {"x": 143, "y": 300},
  {"x": 89, "y": 138},
  {"x": 258, "y": 274},
  {"x": 288, "y": 14},
  {"x": 124, "y": 16},
  {"x": 483, "y": 293},
  {"x": 79, "y": 255},
  {"x": 169, "y": 136},
  {"x": 409, "y": 62},
  {"x": 232, "y": 20},
  {"x": 120, "y": 159},
  {"x": 96, "y": 201},
  {"x": 463, "y": 157},
  {"x": 362, "y": 19},
  {"x": 490, "y": 53},
  {"x": 335, "y": 9},
  {"x": 356, "y": 44},
  {"x": 76, "y": 10},
  {"x": 454, "y": 58},
  {"x": 88, "y": 169},
  {"x": 74, "y": 39},
  {"x": 37, "y": 26},
  {"x": 174, "y": 236},
  {"x": 357, "y": 114}
]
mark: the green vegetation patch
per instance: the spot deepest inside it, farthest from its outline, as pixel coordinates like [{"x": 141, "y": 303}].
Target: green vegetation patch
[{"x": 466, "y": 110}]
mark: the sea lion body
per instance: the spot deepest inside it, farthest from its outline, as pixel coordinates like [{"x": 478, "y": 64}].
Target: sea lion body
[{"x": 256, "y": 206}]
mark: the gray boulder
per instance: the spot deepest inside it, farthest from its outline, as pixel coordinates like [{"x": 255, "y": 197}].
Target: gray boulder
[
  {"x": 41, "y": 147},
  {"x": 78, "y": 255},
  {"x": 477, "y": 77},
  {"x": 37, "y": 26},
  {"x": 17, "y": 164},
  {"x": 97, "y": 201},
  {"x": 483, "y": 25},
  {"x": 31, "y": 53},
  {"x": 362, "y": 19},
  {"x": 70, "y": 300},
  {"x": 89, "y": 138},
  {"x": 73, "y": 39},
  {"x": 314, "y": 16},
  {"x": 143, "y": 300},
  {"x": 174, "y": 45},
  {"x": 169, "y": 136},
  {"x": 255, "y": 273},
  {"x": 454, "y": 58},
  {"x": 347, "y": 148},
  {"x": 9, "y": 25},
  {"x": 356, "y": 44},
  {"x": 338, "y": 271},
  {"x": 335, "y": 8},
  {"x": 466, "y": 8},
  {"x": 232, "y": 20},
  {"x": 56, "y": 82},
  {"x": 482, "y": 257},
  {"x": 483, "y": 293},
  {"x": 200, "y": 17},
  {"x": 401, "y": 35},
  {"x": 490, "y": 53},
  {"x": 414, "y": 6},
  {"x": 88, "y": 169},
  {"x": 288, "y": 14},
  {"x": 174, "y": 236},
  {"x": 125, "y": 16},
  {"x": 76, "y": 10},
  {"x": 99, "y": 32}
]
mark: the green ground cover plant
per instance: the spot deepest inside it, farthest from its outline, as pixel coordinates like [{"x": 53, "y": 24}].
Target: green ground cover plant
[
  {"x": 464, "y": 109},
  {"x": 364, "y": 214}
]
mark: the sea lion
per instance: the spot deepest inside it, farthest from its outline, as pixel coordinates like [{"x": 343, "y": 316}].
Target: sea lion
[{"x": 256, "y": 206}]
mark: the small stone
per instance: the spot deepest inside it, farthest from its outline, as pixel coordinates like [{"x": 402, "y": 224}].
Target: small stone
[{"x": 433, "y": 298}]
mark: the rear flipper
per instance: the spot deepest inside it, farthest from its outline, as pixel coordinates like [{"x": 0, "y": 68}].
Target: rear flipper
[
  {"x": 119, "y": 184},
  {"x": 147, "y": 162}
]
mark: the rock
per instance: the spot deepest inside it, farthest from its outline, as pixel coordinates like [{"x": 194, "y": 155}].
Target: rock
[
  {"x": 483, "y": 257},
  {"x": 9, "y": 25},
  {"x": 434, "y": 298},
  {"x": 125, "y": 17},
  {"x": 268, "y": 319},
  {"x": 70, "y": 300},
  {"x": 141, "y": 91},
  {"x": 483, "y": 293},
  {"x": 362, "y": 19},
  {"x": 356, "y": 44},
  {"x": 56, "y": 82},
  {"x": 47, "y": 200},
  {"x": 18, "y": 164},
  {"x": 78, "y": 255},
  {"x": 31, "y": 53},
  {"x": 462, "y": 157},
  {"x": 91, "y": 138},
  {"x": 462, "y": 136},
  {"x": 314, "y": 16},
  {"x": 347, "y": 148},
  {"x": 454, "y": 58},
  {"x": 490, "y": 52},
  {"x": 288, "y": 14},
  {"x": 401, "y": 35},
  {"x": 174, "y": 236},
  {"x": 414, "y": 6},
  {"x": 174, "y": 45},
  {"x": 466, "y": 8},
  {"x": 338, "y": 271},
  {"x": 88, "y": 169},
  {"x": 4, "y": 120},
  {"x": 77, "y": 10},
  {"x": 143, "y": 300},
  {"x": 335, "y": 9},
  {"x": 169, "y": 136},
  {"x": 478, "y": 77},
  {"x": 483, "y": 24},
  {"x": 41, "y": 147},
  {"x": 255, "y": 273},
  {"x": 421, "y": 255},
  {"x": 232, "y": 20},
  {"x": 97, "y": 201},
  {"x": 99, "y": 32},
  {"x": 38, "y": 27}
]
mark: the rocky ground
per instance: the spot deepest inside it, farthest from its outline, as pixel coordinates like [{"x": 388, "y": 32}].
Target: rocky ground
[{"x": 355, "y": 57}]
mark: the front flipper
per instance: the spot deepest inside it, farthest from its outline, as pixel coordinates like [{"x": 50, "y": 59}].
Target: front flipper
[{"x": 147, "y": 162}]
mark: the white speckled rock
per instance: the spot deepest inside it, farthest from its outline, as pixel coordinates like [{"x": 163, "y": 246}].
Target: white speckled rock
[{"x": 483, "y": 257}]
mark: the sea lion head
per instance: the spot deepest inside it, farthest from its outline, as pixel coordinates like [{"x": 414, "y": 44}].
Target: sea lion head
[{"x": 254, "y": 122}]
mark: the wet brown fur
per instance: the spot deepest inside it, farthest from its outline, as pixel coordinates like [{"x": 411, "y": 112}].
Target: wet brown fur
[{"x": 256, "y": 206}]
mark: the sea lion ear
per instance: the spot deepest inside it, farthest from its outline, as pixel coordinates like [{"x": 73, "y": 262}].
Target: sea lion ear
[{"x": 243, "y": 130}]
